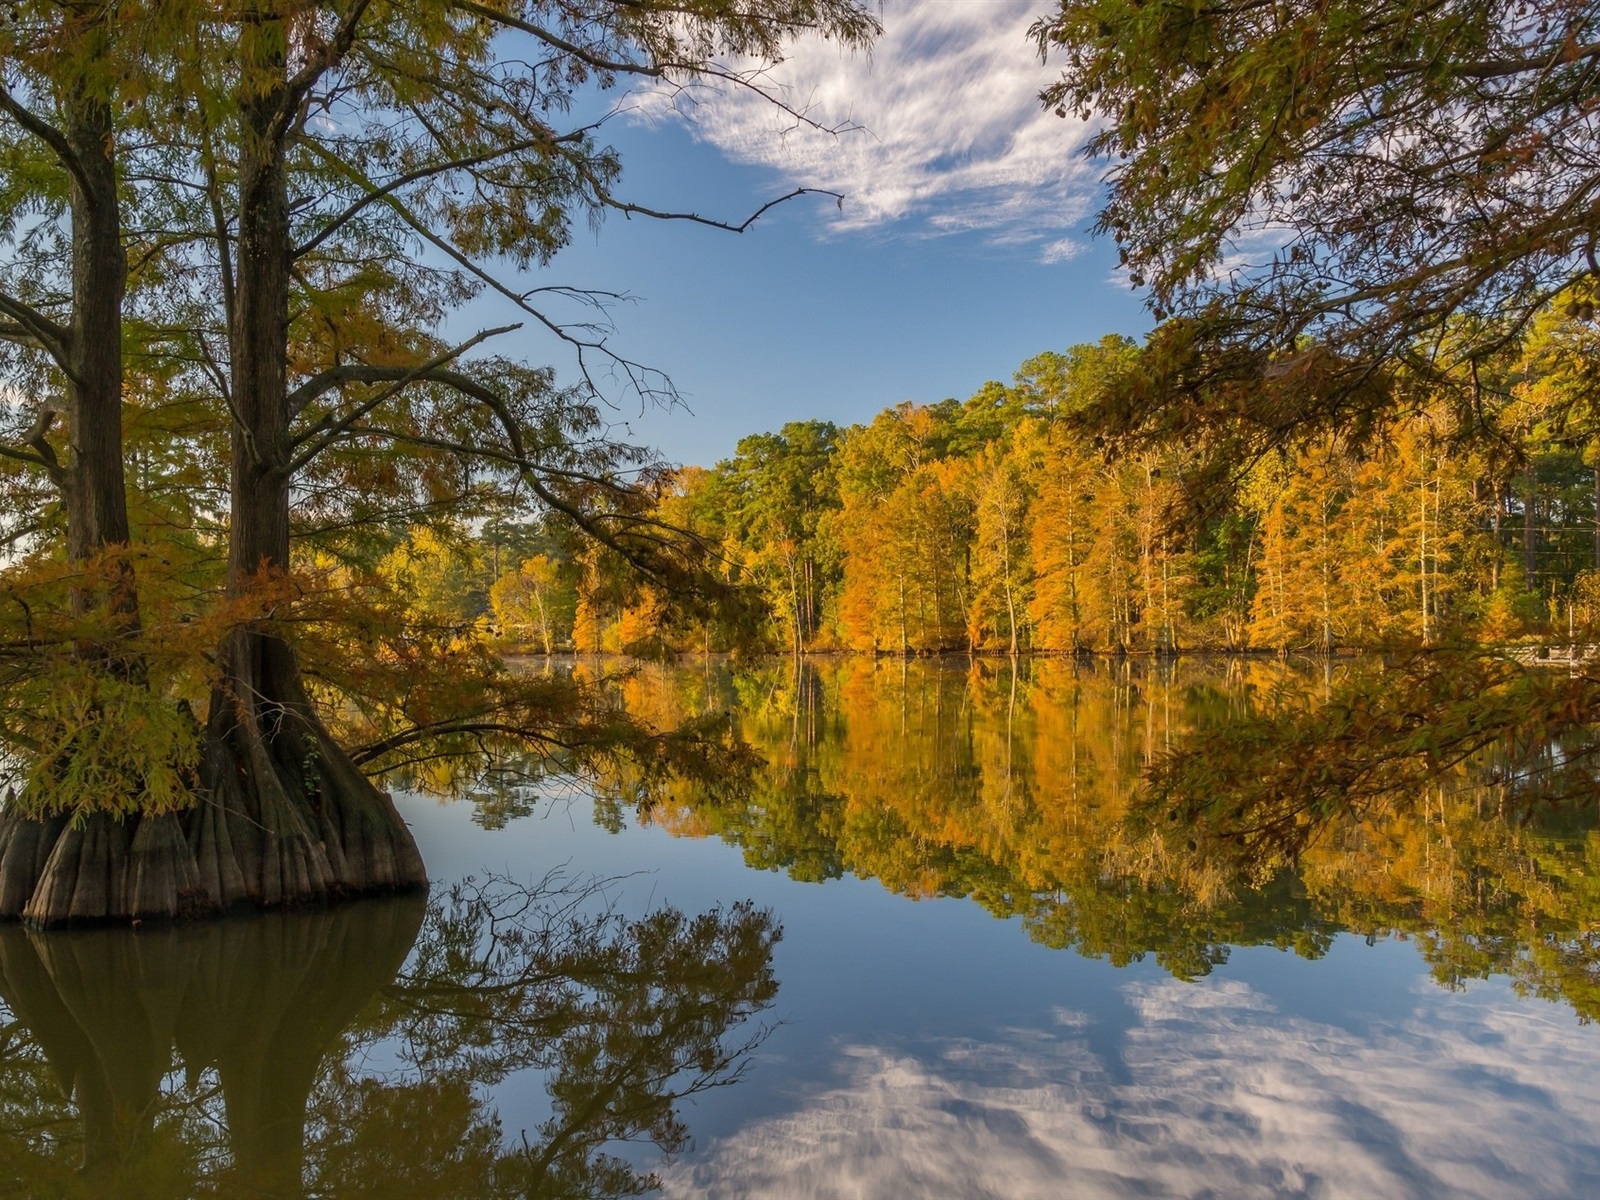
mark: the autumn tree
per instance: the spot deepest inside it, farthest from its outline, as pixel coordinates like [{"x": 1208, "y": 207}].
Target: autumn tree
[
  {"x": 76, "y": 94},
  {"x": 1343, "y": 215},
  {"x": 1001, "y": 570},
  {"x": 1300, "y": 602},
  {"x": 905, "y": 529},
  {"x": 1061, "y": 535},
  {"x": 461, "y": 125},
  {"x": 535, "y": 599},
  {"x": 317, "y": 336}
]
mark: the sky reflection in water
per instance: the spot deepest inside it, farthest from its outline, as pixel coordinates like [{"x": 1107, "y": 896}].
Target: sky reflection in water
[{"x": 948, "y": 1019}]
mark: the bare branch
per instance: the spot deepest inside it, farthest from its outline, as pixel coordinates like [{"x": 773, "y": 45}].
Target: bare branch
[
  {"x": 630, "y": 210},
  {"x": 44, "y": 454},
  {"x": 634, "y": 371}
]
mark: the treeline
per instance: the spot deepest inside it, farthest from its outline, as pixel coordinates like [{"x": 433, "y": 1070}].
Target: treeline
[{"x": 1001, "y": 524}]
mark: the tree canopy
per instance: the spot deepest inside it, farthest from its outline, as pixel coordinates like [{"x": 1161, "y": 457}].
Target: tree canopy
[{"x": 1405, "y": 182}]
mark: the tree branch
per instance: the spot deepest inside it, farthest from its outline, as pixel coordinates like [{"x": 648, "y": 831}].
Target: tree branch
[
  {"x": 329, "y": 429},
  {"x": 53, "y": 338},
  {"x": 46, "y": 133},
  {"x": 587, "y": 57},
  {"x": 318, "y": 63},
  {"x": 630, "y": 210},
  {"x": 394, "y": 185},
  {"x": 44, "y": 454},
  {"x": 634, "y": 371}
]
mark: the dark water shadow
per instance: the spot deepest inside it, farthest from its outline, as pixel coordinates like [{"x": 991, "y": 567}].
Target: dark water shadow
[{"x": 352, "y": 1051}]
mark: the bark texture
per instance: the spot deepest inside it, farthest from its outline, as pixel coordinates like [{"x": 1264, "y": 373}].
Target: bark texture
[
  {"x": 289, "y": 818},
  {"x": 50, "y": 870}
]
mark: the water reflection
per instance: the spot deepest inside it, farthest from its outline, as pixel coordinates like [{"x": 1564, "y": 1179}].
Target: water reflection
[
  {"x": 1215, "y": 1090},
  {"x": 1019, "y": 787},
  {"x": 505, "y": 1041},
  {"x": 353, "y": 1051}
]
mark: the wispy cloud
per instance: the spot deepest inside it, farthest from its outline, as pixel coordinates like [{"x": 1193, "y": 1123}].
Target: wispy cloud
[
  {"x": 948, "y": 137},
  {"x": 1061, "y": 250}
]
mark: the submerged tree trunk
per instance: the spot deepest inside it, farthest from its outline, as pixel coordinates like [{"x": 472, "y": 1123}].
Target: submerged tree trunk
[
  {"x": 286, "y": 816},
  {"x": 100, "y": 867}
]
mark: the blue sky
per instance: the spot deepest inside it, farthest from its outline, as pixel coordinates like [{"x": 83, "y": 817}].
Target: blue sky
[{"x": 960, "y": 249}]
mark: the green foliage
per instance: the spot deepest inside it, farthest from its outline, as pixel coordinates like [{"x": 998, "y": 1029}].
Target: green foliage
[
  {"x": 1375, "y": 155},
  {"x": 98, "y": 743}
]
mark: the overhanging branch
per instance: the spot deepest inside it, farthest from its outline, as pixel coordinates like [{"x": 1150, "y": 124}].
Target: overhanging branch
[{"x": 326, "y": 432}]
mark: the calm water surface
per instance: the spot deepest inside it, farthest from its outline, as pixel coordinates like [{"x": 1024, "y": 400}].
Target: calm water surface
[{"x": 908, "y": 957}]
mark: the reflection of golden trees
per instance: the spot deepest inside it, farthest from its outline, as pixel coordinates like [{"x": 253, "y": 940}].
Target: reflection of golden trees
[
  {"x": 1020, "y": 786},
  {"x": 1480, "y": 893},
  {"x": 248, "y": 1058}
]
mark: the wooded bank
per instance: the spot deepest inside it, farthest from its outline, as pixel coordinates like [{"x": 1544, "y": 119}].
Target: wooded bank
[{"x": 999, "y": 525}]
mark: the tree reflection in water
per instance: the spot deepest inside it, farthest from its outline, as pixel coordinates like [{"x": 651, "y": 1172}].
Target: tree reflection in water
[
  {"x": 1023, "y": 787},
  {"x": 349, "y": 1052}
]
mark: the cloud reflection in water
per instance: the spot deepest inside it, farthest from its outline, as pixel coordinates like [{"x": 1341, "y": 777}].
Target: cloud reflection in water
[{"x": 1214, "y": 1092}]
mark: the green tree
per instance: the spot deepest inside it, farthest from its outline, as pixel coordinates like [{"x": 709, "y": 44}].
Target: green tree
[
  {"x": 780, "y": 490},
  {"x": 535, "y": 599}
]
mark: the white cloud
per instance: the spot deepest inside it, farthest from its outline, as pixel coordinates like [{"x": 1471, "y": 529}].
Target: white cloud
[
  {"x": 952, "y": 139},
  {"x": 1212, "y": 1092},
  {"x": 1060, "y": 251}
]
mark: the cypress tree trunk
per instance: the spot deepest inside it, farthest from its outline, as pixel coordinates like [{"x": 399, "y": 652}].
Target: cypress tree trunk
[
  {"x": 284, "y": 816},
  {"x": 287, "y": 817},
  {"x": 103, "y": 867},
  {"x": 97, "y": 509}
]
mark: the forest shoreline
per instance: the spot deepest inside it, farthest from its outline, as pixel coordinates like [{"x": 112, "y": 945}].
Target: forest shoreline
[{"x": 1532, "y": 652}]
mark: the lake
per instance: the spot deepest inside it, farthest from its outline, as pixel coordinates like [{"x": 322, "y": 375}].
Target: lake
[{"x": 913, "y": 950}]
